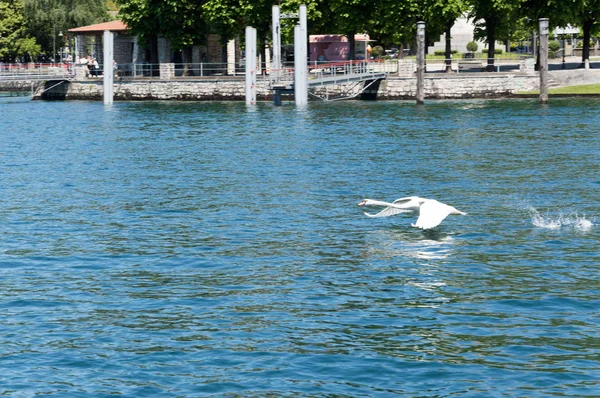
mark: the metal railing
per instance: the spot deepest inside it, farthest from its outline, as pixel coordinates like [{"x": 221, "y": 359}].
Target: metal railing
[
  {"x": 318, "y": 70},
  {"x": 352, "y": 67},
  {"x": 35, "y": 71},
  {"x": 476, "y": 64},
  {"x": 179, "y": 70},
  {"x": 195, "y": 70}
]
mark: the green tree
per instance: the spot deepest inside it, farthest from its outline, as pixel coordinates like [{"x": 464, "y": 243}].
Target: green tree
[
  {"x": 493, "y": 21},
  {"x": 394, "y": 22},
  {"x": 229, "y": 18},
  {"x": 224, "y": 17},
  {"x": 15, "y": 42},
  {"x": 588, "y": 17},
  {"x": 46, "y": 18},
  {"x": 559, "y": 13},
  {"x": 179, "y": 21},
  {"x": 352, "y": 17},
  {"x": 142, "y": 19},
  {"x": 441, "y": 15}
]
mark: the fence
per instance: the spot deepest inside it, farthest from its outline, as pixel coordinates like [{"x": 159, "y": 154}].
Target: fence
[
  {"x": 326, "y": 69},
  {"x": 35, "y": 71},
  {"x": 199, "y": 70},
  {"x": 141, "y": 70},
  {"x": 479, "y": 64}
]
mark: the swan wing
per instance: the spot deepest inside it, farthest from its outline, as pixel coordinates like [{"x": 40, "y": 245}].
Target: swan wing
[
  {"x": 387, "y": 212},
  {"x": 408, "y": 199},
  {"x": 431, "y": 214},
  {"x": 411, "y": 203}
]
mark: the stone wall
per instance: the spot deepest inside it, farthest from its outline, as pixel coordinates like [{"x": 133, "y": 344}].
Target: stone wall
[
  {"x": 437, "y": 86},
  {"x": 123, "y": 49},
  {"x": 19, "y": 85},
  {"x": 447, "y": 86},
  {"x": 575, "y": 77},
  {"x": 197, "y": 90},
  {"x": 462, "y": 86}
]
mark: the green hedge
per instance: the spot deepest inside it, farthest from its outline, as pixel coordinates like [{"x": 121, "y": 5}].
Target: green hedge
[
  {"x": 443, "y": 52},
  {"x": 497, "y": 51}
]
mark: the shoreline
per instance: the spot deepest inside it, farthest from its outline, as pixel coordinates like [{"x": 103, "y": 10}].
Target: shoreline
[{"x": 224, "y": 88}]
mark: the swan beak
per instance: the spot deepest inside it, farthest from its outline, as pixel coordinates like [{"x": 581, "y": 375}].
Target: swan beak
[{"x": 362, "y": 203}]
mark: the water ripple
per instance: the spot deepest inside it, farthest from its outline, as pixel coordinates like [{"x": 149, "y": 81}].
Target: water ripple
[{"x": 178, "y": 249}]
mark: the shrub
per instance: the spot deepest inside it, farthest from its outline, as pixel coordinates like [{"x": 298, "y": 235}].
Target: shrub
[
  {"x": 377, "y": 51},
  {"x": 497, "y": 51},
  {"x": 554, "y": 45},
  {"x": 580, "y": 43},
  {"x": 472, "y": 46},
  {"x": 443, "y": 52}
]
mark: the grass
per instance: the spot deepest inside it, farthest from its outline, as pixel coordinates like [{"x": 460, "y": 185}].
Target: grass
[
  {"x": 586, "y": 89},
  {"x": 504, "y": 55},
  {"x": 477, "y": 56}
]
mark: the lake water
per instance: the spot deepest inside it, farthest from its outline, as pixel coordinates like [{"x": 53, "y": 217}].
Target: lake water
[{"x": 190, "y": 249}]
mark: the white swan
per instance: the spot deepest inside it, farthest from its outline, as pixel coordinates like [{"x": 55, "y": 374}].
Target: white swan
[{"x": 431, "y": 212}]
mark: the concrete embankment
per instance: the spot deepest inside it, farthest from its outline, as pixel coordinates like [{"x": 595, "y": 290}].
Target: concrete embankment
[{"x": 437, "y": 86}]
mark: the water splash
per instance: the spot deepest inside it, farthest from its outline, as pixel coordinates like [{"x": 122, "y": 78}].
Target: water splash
[{"x": 549, "y": 221}]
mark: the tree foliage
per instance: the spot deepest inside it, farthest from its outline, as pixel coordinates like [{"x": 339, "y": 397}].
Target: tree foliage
[
  {"x": 390, "y": 22},
  {"x": 587, "y": 15},
  {"x": 47, "y": 18},
  {"x": 394, "y": 22},
  {"x": 493, "y": 21},
  {"x": 180, "y": 21},
  {"x": 15, "y": 42},
  {"x": 441, "y": 16}
]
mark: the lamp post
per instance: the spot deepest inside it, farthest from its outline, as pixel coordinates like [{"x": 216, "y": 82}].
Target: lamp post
[
  {"x": 564, "y": 50},
  {"x": 60, "y": 34},
  {"x": 543, "y": 58},
  {"x": 420, "y": 62},
  {"x": 53, "y": 42}
]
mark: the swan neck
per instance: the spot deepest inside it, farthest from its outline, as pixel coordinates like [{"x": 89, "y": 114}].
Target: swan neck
[{"x": 381, "y": 203}]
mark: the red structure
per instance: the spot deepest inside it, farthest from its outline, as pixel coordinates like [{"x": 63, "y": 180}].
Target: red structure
[{"x": 331, "y": 48}]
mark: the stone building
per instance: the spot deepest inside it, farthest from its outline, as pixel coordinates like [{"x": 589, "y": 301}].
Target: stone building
[
  {"x": 135, "y": 59},
  {"x": 88, "y": 41}
]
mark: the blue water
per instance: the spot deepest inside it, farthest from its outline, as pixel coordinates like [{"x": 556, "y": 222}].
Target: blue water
[{"x": 196, "y": 249}]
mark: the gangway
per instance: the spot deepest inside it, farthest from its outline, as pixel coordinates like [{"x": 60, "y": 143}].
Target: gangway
[
  {"x": 325, "y": 74},
  {"x": 35, "y": 72},
  {"x": 26, "y": 77}
]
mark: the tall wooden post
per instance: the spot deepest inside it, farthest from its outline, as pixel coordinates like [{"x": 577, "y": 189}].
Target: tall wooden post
[
  {"x": 543, "y": 57},
  {"x": 420, "y": 62}
]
